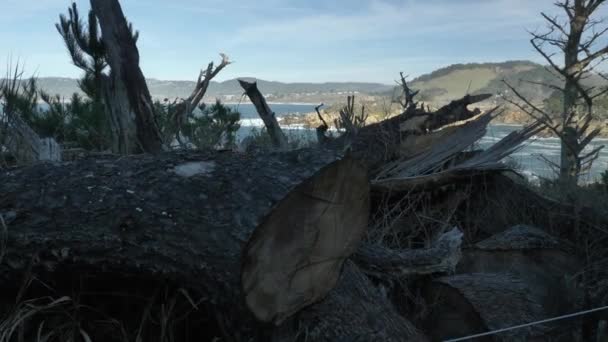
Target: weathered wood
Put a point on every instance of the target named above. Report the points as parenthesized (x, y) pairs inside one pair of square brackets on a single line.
[(548, 269), (438, 164), (24, 144), (185, 107), (126, 92), (384, 141), (295, 255), (278, 138), (440, 258), (421, 122), (467, 304)]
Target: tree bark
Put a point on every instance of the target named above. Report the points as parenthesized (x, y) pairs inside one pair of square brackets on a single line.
[(278, 138), (132, 117)]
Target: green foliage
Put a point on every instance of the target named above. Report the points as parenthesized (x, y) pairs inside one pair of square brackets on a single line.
[(18, 96), (217, 125), (83, 122), (79, 120), (212, 126), (554, 104), (86, 48), (258, 139)]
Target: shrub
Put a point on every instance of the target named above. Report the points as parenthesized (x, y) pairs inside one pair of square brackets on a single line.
[(208, 127)]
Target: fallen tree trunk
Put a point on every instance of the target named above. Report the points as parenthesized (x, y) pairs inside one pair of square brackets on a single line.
[(189, 218)]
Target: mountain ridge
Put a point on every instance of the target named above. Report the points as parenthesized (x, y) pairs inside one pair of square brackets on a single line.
[(441, 85)]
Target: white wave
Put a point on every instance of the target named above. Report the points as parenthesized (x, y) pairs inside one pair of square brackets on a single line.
[(252, 123)]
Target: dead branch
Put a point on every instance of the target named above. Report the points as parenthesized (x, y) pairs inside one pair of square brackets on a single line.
[(322, 137), (279, 140), (441, 258), (349, 120), (408, 103), (186, 106)]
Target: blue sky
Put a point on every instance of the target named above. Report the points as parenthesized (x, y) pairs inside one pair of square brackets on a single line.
[(290, 40)]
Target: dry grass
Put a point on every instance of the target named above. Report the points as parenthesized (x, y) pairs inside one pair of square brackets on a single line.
[(167, 314)]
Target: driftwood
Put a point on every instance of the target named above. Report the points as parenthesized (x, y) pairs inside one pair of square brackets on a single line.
[(278, 138)]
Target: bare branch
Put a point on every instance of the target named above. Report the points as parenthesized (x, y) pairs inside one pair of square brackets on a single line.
[(554, 166), (592, 135), (349, 120), (567, 8), (320, 116), (322, 137), (555, 24), (408, 103), (595, 151), (547, 117), (551, 86), (187, 106)]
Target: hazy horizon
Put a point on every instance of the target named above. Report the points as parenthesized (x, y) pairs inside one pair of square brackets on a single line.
[(219, 80), (291, 41)]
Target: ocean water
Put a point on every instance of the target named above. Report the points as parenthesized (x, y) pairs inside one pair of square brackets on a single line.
[(248, 111), (530, 159)]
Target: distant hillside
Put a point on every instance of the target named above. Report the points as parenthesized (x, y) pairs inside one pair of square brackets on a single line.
[(457, 80), (437, 87), (226, 89)]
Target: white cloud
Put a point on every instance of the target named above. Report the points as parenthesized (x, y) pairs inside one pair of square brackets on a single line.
[(489, 19)]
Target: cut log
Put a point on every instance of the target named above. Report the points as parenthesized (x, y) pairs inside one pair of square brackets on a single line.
[(539, 259), (278, 138), (474, 303), (295, 255), (186, 217)]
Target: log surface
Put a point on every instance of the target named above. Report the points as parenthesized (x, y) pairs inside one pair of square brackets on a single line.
[(182, 216)]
